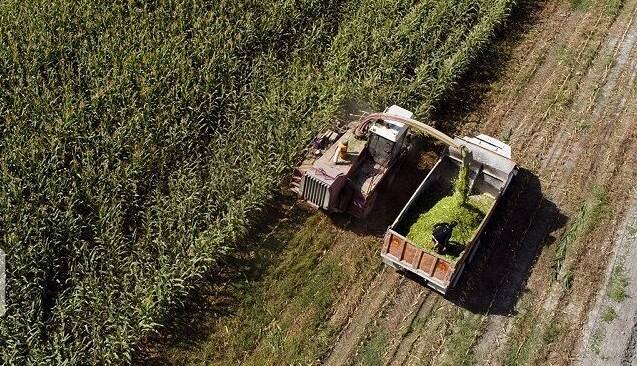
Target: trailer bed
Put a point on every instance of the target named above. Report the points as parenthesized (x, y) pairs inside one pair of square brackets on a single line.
[(491, 173)]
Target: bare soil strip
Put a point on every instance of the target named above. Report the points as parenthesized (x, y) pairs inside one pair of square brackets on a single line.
[(610, 334), (568, 159)]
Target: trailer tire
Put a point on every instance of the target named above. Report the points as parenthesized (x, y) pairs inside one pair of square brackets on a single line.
[(390, 264), (473, 251)]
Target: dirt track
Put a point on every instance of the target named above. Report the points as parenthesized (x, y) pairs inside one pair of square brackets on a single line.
[(565, 101)]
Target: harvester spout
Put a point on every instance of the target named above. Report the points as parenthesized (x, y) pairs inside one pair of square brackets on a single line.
[(363, 126), (412, 123)]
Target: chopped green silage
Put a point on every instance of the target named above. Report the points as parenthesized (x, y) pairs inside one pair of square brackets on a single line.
[(468, 216), (465, 209), (461, 184)]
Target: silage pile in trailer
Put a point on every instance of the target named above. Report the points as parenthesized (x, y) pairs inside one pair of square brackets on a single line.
[(468, 216), (461, 207), (138, 141)]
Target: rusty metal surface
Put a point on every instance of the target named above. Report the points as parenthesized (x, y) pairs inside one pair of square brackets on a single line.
[(362, 174), (325, 165), (401, 254)]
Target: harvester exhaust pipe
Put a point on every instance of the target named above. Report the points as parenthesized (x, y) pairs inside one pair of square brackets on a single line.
[(341, 152)]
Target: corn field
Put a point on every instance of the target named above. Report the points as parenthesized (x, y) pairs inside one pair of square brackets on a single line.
[(140, 140)]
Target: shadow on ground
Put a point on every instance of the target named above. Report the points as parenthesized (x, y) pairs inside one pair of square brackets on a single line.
[(521, 227)]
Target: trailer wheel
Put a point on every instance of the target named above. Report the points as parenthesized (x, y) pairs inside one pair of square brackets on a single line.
[(391, 179), (473, 251), (390, 264)]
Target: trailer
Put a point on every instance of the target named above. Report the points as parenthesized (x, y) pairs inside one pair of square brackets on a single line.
[(490, 174)]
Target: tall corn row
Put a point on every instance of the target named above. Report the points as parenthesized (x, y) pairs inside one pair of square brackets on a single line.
[(138, 141)]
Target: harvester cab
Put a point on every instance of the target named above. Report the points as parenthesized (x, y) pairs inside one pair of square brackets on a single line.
[(387, 138)]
